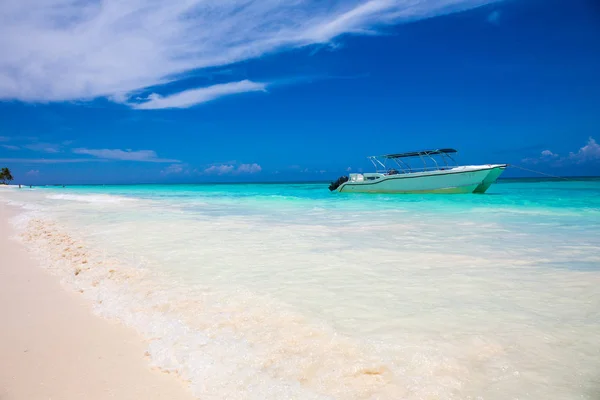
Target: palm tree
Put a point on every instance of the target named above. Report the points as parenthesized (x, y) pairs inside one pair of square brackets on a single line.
[(5, 175)]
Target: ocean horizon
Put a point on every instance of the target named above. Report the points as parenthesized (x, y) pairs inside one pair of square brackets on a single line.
[(282, 182)]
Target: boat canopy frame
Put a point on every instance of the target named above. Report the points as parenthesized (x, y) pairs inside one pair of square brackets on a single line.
[(380, 162)]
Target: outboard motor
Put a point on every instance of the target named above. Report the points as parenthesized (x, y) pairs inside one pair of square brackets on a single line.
[(336, 184)]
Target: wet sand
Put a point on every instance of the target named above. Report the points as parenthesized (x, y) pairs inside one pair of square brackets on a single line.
[(53, 347)]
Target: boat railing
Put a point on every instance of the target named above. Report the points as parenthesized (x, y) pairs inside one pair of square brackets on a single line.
[(381, 163), (412, 170)]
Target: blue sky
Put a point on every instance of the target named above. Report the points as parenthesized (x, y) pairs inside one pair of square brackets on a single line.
[(170, 91)]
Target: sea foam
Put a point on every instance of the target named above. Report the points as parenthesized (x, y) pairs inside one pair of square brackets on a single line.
[(90, 198)]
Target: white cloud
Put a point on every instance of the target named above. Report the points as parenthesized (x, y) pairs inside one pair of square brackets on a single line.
[(249, 168), (545, 156), (219, 169), (10, 147), (47, 160), (44, 147), (124, 155), (33, 172), (548, 153), (191, 97), (172, 169), (62, 50), (589, 152), (228, 169), (315, 171)]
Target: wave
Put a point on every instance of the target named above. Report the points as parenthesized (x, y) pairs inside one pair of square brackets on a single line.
[(232, 343), (91, 198)]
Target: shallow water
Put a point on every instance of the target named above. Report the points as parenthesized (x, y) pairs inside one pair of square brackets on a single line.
[(289, 291)]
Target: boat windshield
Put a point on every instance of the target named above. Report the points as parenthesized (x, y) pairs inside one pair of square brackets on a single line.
[(400, 163)]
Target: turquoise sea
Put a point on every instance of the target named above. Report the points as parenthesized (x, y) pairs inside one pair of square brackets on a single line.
[(273, 291)]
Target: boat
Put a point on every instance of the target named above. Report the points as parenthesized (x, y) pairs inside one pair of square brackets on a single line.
[(440, 174)]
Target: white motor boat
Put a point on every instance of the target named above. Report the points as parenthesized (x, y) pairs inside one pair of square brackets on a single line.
[(440, 174)]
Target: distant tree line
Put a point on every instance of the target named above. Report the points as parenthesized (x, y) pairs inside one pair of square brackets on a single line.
[(5, 176)]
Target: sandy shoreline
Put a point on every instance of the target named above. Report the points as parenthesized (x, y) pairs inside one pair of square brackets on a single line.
[(53, 347)]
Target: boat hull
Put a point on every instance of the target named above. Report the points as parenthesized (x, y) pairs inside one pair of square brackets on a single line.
[(455, 181), (490, 179)]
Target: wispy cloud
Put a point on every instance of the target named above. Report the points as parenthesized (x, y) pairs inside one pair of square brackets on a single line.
[(124, 155), (219, 169), (249, 169), (305, 170), (173, 169), (588, 153), (44, 147), (47, 160), (4, 139), (33, 172), (229, 169), (96, 154), (312, 171), (192, 97), (62, 50)]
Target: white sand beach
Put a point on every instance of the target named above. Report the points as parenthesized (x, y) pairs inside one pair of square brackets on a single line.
[(53, 347)]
